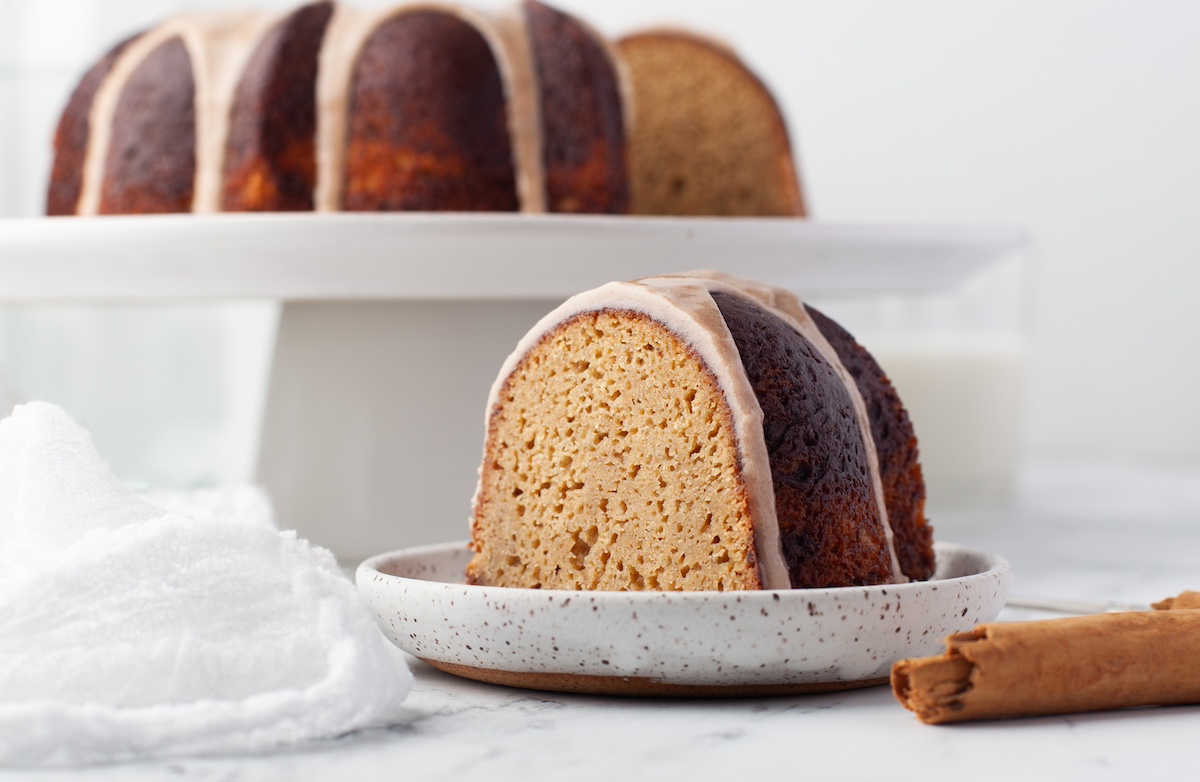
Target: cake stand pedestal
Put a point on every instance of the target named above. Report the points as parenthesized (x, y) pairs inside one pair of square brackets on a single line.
[(373, 426)]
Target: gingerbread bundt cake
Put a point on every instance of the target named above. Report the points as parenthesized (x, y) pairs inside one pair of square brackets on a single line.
[(695, 433), (327, 107)]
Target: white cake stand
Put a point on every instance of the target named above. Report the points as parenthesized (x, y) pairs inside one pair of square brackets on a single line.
[(393, 326)]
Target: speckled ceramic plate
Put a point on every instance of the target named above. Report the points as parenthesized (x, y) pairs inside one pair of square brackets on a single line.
[(674, 643)]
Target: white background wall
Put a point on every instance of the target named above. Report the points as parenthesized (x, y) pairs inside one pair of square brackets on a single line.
[(1077, 120)]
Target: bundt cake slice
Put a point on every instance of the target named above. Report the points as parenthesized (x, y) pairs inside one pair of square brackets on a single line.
[(681, 433), (708, 137)]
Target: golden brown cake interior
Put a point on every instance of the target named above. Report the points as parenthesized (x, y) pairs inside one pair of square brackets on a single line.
[(707, 138), (628, 481)]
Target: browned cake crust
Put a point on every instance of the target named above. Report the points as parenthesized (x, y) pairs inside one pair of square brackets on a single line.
[(270, 155), (708, 137), (428, 126), (150, 165), (583, 132), (418, 117), (829, 520), (71, 136), (896, 443)]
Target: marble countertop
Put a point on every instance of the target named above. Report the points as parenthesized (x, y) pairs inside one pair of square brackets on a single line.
[(1088, 533)]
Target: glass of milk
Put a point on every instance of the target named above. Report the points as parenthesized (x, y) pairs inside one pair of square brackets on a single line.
[(958, 358)]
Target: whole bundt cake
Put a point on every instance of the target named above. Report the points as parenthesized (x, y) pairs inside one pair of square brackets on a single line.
[(420, 107), (695, 433)]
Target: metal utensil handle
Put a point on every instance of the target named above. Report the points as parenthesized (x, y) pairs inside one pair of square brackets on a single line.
[(1073, 606)]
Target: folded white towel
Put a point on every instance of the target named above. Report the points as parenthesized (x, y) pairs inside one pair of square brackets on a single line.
[(127, 630)]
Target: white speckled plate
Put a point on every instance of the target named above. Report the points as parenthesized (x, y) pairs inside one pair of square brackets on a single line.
[(674, 643)]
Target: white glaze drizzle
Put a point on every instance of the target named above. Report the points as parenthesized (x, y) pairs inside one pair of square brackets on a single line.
[(518, 70), (347, 31), (219, 57)]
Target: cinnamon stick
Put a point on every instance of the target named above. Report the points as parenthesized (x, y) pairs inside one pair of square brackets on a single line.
[(1059, 666), (1183, 600)]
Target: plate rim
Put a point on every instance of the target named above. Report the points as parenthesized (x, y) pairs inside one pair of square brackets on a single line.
[(370, 566)]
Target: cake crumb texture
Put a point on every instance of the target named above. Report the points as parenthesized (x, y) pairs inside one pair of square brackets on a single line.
[(612, 464)]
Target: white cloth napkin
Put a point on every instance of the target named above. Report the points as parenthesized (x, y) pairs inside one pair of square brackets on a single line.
[(128, 630)]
